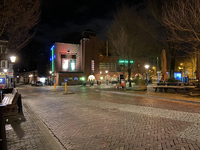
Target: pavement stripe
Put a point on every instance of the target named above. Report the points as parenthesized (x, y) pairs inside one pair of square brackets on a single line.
[(191, 133), (179, 100)]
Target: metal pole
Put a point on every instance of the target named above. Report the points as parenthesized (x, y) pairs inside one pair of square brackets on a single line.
[(147, 78), (3, 145), (192, 69), (157, 69), (184, 73)]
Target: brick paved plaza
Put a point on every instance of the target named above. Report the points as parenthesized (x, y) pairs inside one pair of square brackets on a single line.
[(94, 118)]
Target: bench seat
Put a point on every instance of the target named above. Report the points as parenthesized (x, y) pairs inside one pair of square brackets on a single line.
[(176, 88)]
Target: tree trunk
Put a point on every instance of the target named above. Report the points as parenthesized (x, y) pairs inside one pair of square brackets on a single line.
[(172, 67), (124, 78), (129, 73)]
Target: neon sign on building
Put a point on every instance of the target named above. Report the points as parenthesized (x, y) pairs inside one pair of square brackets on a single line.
[(92, 65), (53, 56)]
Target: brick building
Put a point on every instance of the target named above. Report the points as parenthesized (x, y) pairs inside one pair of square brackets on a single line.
[(83, 61), (75, 61)]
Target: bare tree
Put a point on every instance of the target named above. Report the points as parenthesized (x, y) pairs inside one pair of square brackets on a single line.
[(182, 17), (127, 37), (18, 20), (165, 34)]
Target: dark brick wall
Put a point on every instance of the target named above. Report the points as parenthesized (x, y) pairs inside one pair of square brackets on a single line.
[(90, 52)]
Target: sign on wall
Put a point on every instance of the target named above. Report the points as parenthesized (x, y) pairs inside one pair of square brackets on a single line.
[(2, 81), (92, 65)]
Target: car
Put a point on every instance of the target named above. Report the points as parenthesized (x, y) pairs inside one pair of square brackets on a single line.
[(38, 83)]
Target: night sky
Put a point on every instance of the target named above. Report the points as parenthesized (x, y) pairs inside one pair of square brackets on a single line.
[(61, 17), (66, 18)]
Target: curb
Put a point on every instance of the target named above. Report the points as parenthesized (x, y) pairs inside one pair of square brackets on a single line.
[(46, 132)]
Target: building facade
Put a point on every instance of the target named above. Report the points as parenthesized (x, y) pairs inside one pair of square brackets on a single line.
[(75, 61)]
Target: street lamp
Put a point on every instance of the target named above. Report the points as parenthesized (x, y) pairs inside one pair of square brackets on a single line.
[(12, 59), (146, 66)]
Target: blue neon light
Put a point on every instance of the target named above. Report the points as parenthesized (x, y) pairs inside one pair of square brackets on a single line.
[(52, 47)]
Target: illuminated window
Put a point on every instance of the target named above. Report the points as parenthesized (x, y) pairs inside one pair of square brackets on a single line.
[(107, 65), (4, 64), (68, 62), (3, 49), (73, 64), (65, 64)]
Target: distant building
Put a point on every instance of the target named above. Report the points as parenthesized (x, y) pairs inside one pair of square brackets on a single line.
[(83, 62), (6, 68)]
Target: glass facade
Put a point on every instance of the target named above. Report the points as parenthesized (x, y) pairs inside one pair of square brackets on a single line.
[(107, 65)]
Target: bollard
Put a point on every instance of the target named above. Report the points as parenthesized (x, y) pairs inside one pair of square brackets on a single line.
[(3, 143), (65, 87)]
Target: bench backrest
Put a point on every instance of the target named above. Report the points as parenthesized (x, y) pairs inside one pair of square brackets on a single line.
[(11, 98), (15, 96)]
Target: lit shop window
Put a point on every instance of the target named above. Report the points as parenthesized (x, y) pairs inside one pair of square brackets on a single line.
[(65, 64), (73, 65)]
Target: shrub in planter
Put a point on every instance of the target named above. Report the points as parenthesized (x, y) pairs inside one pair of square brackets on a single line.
[(136, 80)]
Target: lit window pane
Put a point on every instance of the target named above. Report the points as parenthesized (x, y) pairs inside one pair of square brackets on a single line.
[(64, 64)]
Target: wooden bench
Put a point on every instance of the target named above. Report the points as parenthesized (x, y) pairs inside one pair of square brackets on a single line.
[(11, 102), (176, 88), (172, 83)]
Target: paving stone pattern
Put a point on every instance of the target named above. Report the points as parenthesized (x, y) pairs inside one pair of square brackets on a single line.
[(23, 134), (101, 120)]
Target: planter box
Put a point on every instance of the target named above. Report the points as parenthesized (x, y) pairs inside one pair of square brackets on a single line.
[(140, 87)]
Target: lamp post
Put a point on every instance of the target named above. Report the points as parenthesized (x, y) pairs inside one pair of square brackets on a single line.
[(12, 59), (146, 66)]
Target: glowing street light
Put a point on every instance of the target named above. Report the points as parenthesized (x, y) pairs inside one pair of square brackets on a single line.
[(12, 59), (146, 66)]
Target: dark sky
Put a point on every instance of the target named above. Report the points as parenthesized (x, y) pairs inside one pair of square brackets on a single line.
[(63, 16)]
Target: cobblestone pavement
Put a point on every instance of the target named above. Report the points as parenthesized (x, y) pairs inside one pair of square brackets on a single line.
[(94, 119), (23, 134)]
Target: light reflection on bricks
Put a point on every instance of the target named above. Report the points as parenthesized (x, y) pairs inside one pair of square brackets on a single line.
[(94, 120), (23, 134)]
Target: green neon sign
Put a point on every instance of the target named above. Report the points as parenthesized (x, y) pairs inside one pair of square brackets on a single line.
[(82, 78), (125, 61), (52, 58)]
